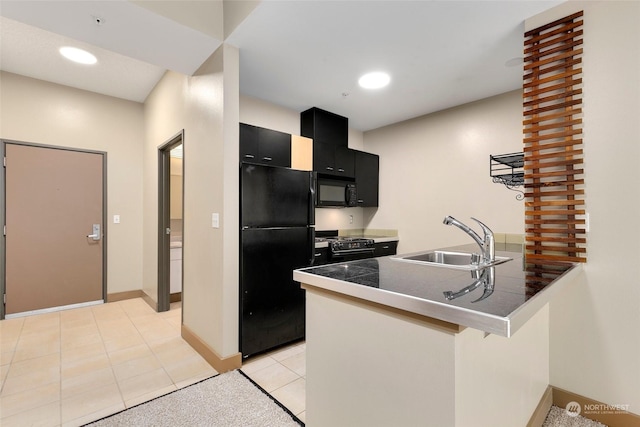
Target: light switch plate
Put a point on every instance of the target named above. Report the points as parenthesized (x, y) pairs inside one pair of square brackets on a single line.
[(116, 219), (587, 222), (215, 220)]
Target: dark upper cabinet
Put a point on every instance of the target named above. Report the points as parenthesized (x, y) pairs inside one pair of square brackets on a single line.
[(330, 134), (334, 161), (324, 158), (345, 162), (274, 147), (324, 127), (265, 146), (367, 173), (248, 142)]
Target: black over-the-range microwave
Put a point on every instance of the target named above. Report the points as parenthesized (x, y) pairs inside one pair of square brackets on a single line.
[(335, 193)]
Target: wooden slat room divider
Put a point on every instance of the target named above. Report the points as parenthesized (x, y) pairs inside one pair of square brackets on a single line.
[(553, 156)]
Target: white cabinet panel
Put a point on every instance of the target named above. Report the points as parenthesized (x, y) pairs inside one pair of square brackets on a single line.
[(175, 266)]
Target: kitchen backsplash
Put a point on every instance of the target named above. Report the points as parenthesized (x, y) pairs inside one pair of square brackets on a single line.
[(339, 218), (369, 232)]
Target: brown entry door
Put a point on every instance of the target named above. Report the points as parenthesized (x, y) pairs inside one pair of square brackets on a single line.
[(53, 250)]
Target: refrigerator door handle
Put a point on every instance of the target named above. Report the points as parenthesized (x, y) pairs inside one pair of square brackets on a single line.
[(312, 245), (312, 198)]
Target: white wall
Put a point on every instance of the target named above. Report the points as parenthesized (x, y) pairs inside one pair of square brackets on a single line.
[(45, 113), (499, 380), (595, 338), (438, 165), (206, 107), (261, 113), (257, 112)]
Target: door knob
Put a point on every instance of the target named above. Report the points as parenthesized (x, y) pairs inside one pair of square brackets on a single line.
[(95, 232)]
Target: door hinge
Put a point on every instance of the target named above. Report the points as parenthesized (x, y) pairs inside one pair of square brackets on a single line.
[(4, 299), (4, 161), (4, 230)]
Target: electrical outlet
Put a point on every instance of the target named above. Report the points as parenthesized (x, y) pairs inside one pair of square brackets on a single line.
[(215, 220), (350, 219)]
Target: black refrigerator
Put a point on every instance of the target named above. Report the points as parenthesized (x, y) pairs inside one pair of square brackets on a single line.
[(276, 237)]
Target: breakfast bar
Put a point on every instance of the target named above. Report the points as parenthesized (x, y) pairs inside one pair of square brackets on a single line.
[(391, 341)]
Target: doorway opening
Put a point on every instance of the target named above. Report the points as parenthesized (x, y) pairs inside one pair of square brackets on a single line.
[(170, 221)]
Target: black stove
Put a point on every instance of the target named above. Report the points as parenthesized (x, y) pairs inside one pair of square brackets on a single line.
[(349, 243), (347, 248)]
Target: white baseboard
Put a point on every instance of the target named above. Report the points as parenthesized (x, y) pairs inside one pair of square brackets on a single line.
[(53, 309)]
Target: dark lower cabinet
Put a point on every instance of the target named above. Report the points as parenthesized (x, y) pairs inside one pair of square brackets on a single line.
[(367, 173), (385, 248), (264, 146), (321, 256)]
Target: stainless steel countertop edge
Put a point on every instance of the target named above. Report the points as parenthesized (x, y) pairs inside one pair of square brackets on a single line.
[(459, 315), (526, 311), (502, 326)]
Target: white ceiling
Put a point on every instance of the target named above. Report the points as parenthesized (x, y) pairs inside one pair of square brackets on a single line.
[(296, 54)]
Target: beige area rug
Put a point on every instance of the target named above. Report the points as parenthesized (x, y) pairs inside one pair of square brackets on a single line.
[(227, 400), (558, 417)]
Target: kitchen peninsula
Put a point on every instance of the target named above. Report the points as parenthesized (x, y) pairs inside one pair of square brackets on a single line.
[(391, 342)]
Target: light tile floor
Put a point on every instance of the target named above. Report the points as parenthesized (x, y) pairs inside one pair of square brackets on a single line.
[(76, 366), (282, 373)]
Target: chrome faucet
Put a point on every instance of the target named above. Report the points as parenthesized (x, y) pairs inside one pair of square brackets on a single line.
[(487, 243)]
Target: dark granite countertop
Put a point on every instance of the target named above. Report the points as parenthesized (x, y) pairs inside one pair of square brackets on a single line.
[(505, 296)]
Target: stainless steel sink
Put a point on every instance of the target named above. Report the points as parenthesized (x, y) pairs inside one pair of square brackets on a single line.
[(447, 259)]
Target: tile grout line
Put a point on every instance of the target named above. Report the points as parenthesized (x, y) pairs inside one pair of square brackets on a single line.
[(102, 341), (157, 329), (279, 362), (12, 363), (113, 372), (13, 355), (146, 343)]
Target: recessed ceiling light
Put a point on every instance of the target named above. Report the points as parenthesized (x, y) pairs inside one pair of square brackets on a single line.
[(78, 55), (375, 80)]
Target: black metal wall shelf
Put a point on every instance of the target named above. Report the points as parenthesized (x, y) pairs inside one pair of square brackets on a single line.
[(508, 169)]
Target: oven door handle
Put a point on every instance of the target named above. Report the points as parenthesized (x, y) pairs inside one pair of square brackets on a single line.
[(352, 251)]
